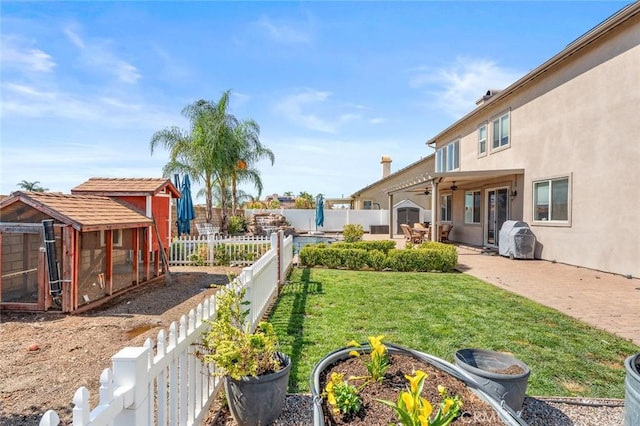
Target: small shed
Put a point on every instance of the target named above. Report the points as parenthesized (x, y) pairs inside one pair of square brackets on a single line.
[(101, 244), (152, 196)]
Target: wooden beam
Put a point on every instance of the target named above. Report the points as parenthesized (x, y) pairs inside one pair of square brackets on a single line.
[(25, 260), (17, 306), (108, 243), (74, 272), (146, 253), (0, 268), (134, 258), (42, 282), (21, 228), (66, 276)]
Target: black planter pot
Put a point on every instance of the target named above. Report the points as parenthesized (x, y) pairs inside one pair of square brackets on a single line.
[(258, 401), (483, 365), (506, 414)]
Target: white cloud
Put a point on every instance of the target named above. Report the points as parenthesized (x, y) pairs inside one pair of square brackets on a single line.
[(457, 87), (97, 54), (74, 38), (282, 33), (22, 100), (17, 54), (316, 110)]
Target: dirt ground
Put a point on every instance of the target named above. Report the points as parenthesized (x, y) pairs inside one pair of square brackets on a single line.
[(45, 357)]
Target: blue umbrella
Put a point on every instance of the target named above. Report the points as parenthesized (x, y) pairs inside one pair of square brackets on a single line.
[(319, 211), (186, 212)]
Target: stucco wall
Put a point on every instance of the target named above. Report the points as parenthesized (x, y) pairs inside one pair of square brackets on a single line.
[(580, 120)]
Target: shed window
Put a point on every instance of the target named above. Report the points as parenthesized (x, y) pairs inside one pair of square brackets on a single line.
[(117, 237)]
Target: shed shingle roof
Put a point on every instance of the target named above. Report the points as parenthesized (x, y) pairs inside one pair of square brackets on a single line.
[(83, 212), (126, 186)]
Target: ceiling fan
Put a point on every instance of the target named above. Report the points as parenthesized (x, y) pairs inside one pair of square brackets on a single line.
[(454, 186)]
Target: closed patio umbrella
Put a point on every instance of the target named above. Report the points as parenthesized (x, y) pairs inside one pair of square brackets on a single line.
[(319, 211), (176, 182), (186, 211)]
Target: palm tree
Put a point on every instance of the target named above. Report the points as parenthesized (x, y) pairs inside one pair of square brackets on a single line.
[(206, 152), (32, 186), (249, 152)]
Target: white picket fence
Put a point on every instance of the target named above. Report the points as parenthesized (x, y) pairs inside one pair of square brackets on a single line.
[(212, 249), (172, 386)]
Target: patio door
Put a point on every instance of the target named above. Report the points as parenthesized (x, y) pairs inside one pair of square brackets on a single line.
[(496, 213)]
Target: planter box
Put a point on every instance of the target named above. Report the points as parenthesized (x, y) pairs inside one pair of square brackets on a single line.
[(506, 414)]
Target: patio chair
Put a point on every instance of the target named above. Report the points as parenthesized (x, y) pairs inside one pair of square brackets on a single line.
[(410, 235), (423, 230), (444, 232)]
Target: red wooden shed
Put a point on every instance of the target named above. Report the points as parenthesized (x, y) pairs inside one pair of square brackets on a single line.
[(152, 196), (99, 245)]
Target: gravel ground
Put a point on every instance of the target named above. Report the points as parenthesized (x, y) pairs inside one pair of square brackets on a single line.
[(298, 411)]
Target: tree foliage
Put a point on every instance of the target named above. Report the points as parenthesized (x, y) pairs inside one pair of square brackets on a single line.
[(32, 186), (219, 151)]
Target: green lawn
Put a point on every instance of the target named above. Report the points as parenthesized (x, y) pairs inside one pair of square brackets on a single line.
[(321, 310)]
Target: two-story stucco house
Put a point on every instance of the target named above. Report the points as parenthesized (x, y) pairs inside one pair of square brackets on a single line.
[(558, 149)]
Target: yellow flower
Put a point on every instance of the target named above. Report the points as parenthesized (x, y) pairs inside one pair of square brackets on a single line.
[(354, 353), (442, 391), (415, 380), (329, 387), (407, 399), (426, 409), (376, 341), (353, 343), (337, 377), (447, 405)]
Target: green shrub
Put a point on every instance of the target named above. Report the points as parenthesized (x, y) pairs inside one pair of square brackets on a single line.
[(237, 225), (220, 256), (434, 257), (381, 245), (200, 255), (352, 232), (311, 255), (354, 259), (376, 260), (422, 260)]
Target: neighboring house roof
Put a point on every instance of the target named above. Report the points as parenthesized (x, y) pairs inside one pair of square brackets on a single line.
[(392, 175), (82, 212), (572, 48), (126, 187)]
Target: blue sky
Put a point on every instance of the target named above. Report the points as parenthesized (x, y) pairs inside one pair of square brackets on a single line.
[(334, 86)]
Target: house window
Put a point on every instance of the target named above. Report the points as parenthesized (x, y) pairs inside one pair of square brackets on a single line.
[(448, 157), (551, 200), (445, 208), (366, 205), (117, 237), (500, 132), (482, 140), (472, 207)]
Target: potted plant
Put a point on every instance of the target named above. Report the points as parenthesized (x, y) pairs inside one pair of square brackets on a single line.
[(255, 374)]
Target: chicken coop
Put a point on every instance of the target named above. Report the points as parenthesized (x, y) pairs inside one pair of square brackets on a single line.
[(73, 252)]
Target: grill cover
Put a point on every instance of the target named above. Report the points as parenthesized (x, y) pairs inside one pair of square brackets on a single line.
[(516, 240)]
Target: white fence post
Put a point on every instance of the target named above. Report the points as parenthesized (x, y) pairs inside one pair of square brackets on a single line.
[(50, 418), (173, 387), (130, 370)]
